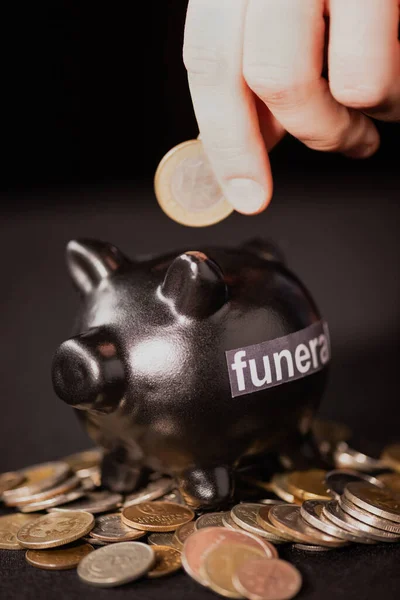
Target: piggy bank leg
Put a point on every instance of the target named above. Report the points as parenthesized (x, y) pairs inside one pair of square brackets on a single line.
[(118, 474), (206, 488)]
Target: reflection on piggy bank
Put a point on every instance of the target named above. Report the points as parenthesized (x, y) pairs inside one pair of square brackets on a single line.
[(191, 363)]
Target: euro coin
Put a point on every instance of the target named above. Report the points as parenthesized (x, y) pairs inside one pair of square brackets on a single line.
[(221, 563), (263, 579), (373, 533), (186, 187), (202, 541)]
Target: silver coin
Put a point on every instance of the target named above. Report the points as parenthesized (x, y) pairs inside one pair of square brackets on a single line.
[(94, 502), (163, 539), (366, 517), (271, 502), (110, 528), (213, 519), (311, 511), (65, 486), (331, 511), (378, 535), (381, 503), (59, 500), (153, 491), (245, 515), (288, 518), (310, 547), (38, 478), (347, 458), (337, 480), (116, 564)]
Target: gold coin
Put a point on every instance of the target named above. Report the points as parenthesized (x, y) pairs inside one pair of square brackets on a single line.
[(391, 481), (183, 532), (168, 560), (391, 457), (37, 479), (10, 480), (61, 488), (280, 488), (186, 187), (308, 485), (55, 529), (222, 562), (58, 559), (156, 516), (9, 527)]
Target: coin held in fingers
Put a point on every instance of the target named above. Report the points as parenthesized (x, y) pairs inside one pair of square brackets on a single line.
[(186, 187)]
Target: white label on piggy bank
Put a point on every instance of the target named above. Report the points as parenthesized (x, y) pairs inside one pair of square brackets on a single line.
[(264, 365)]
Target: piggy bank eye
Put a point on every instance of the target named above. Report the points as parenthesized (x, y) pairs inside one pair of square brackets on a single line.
[(88, 373)]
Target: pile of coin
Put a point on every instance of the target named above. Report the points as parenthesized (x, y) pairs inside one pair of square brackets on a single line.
[(113, 540)]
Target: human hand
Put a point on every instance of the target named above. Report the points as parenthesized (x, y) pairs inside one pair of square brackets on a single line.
[(255, 72)]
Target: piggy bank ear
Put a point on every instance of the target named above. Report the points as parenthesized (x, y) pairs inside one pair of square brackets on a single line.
[(90, 261), (194, 285), (88, 373), (265, 249)]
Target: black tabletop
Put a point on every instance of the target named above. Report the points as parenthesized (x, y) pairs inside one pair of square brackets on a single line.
[(339, 233)]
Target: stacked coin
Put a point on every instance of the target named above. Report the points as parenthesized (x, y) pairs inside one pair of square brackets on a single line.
[(152, 532)]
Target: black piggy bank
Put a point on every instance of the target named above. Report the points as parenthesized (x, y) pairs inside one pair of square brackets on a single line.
[(191, 363)]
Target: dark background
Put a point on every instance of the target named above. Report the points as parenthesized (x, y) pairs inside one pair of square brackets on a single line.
[(93, 98)]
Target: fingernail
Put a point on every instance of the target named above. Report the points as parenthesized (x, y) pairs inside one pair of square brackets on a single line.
[(245, 195), (369, 146)]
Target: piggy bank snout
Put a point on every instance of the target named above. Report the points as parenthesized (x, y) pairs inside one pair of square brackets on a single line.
[(88, 374)]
